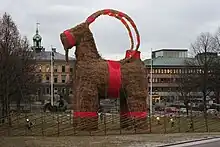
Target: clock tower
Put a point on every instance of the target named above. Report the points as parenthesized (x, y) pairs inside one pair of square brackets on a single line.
[(37, 47)]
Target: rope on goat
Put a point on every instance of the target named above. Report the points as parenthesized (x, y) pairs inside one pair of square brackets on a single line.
[(119, 15)]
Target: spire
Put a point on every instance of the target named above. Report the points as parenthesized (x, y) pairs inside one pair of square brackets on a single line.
[(37, 39), (37, 27)]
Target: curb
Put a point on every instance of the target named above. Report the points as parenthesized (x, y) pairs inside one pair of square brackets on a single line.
[(190, 141)]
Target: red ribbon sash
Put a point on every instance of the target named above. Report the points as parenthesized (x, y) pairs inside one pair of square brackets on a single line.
[(136, 54), (114, 81), (134, 114)]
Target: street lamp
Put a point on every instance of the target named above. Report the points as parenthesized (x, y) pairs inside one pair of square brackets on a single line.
[(158, 120), (151, 83)]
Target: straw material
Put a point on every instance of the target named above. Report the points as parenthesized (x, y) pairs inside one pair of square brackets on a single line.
[(91, 80)]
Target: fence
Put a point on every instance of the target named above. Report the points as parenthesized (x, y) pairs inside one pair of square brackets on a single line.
[(61, 124)]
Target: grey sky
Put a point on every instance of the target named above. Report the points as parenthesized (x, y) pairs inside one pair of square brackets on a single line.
[(162, 23)]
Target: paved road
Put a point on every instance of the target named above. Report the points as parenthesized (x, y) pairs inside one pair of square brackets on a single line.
[(206, 143), (211, 144)]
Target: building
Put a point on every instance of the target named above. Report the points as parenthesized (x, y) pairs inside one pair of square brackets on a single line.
[(170, 53), (62, 72), (166, 65)]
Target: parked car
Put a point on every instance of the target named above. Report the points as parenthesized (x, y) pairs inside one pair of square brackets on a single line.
[(183, 110), (212, 111), (59, 106)]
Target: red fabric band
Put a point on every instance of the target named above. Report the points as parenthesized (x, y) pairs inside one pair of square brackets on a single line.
[(133, 24), (111, 14), (71, 40), (134, 114), (90, 19), (135, 54), (85, 114), (107, 11), (120, 14), (114, 81), (124, 22), (138, 40)]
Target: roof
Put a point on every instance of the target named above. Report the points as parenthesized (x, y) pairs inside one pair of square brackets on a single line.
[(165, 61), (46, 55), (170, 49)]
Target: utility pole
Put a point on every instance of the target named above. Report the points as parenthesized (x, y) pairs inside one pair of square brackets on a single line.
[(151, 83), (51, 79)]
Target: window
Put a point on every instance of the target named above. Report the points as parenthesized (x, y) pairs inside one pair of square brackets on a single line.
[(40, 68), (158, 70), (71, 91), (71, 69), (48, 69), (47, 78), (55, 91), (176, 71), (63, 78), (63, 69), (59, 90), (55, 79), (48, 90), (63, 90), (165, 71), (55, 69)]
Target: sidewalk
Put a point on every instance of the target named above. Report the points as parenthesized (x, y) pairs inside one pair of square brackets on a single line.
[(145, 140)]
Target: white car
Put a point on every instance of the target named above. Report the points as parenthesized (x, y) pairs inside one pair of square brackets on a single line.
[(212, 111), (183, 110)]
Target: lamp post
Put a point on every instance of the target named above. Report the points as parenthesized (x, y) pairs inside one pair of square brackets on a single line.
[(151, 83), (51, 80)]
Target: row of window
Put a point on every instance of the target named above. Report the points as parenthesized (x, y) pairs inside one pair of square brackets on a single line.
[(57, 90), (55, 69), (56, 79), (163, 80), (175, 71), (167, 89), (164, 89)]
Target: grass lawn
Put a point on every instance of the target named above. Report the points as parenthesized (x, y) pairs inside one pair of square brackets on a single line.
[(48, 124)]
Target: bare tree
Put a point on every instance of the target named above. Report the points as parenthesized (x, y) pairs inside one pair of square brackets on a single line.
[(216, 69), (17, 65), (186, 85), (201, 66)]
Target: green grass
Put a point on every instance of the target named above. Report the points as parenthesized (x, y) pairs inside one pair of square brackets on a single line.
[(48, 124)]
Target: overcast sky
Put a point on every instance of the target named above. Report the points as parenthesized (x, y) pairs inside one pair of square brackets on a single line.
[(161, 23)]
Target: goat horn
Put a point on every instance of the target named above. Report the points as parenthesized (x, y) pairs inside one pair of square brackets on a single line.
[(128, 28), (118, 15)]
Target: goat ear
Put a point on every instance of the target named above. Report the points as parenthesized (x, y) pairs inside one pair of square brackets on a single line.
[(63, 40)]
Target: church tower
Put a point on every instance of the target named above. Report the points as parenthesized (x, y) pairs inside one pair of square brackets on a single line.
[(37, 47)]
